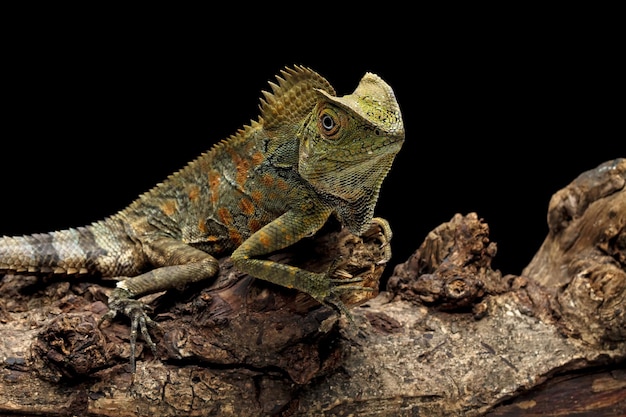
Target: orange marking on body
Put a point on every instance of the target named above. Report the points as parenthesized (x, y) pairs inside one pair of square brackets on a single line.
[(246, 206), (257, 158), (254, 225), (256, 195), (194, 192), (214, 185), (225, 216), (267, 180), (169, 207), (212, 238), (243, 169), (282, 184), (235, 236), (265, 239), (202, 226), (241, 165)]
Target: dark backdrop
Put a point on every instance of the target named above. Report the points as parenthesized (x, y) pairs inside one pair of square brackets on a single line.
[(495, 122)]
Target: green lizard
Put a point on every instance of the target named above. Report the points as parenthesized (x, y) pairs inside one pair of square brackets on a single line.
[(310, 155)]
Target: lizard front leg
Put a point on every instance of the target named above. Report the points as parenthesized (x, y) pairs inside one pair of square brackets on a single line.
[(179, 264), (281, 233)]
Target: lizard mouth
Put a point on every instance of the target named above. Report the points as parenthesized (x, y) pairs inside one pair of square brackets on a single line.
[(391, 145)]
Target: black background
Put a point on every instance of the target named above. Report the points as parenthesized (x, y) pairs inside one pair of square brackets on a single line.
[(498, 116)]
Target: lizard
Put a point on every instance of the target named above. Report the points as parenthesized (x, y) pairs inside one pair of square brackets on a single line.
[(310, 155)]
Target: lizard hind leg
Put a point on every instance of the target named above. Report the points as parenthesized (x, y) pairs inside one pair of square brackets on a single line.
[(180, 264)]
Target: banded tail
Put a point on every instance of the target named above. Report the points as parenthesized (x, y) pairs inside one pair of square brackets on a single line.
[(93, 249)]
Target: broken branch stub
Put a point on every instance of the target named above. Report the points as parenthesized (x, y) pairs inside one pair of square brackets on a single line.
[(582, 261)]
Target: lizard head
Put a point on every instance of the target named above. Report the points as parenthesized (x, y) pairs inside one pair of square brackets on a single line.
[(347, 147)]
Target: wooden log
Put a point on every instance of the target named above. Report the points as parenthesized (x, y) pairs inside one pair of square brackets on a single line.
[(449, 336), (238, 338)]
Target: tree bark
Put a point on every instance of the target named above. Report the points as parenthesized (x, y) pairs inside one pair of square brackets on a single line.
[(449, 336)]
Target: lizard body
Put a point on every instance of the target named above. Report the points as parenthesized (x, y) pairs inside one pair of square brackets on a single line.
[(310, 155)]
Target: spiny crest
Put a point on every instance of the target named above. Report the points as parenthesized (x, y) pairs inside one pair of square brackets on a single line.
[(293, 96)]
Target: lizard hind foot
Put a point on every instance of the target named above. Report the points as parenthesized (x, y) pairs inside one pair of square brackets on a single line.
[(120, 301)]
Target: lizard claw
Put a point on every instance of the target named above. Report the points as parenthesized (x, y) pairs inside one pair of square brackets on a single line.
[(121, 301), (381, 230), (341, 285), (340, 308)]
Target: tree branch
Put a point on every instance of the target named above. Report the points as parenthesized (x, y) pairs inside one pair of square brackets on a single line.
[(448, 337)]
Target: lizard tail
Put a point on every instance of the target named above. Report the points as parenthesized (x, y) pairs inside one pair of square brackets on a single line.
[(70, 251)]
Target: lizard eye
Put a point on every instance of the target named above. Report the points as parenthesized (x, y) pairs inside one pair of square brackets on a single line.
[(328, 122)]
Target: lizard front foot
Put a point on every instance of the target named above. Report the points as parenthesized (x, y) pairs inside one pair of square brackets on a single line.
[(121, 301), (339, 286), (333, 300)]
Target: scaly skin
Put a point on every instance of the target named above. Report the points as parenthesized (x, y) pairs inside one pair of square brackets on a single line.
[(309, 156)]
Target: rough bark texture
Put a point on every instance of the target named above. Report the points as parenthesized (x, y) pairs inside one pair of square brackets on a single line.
[(449, 337)]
